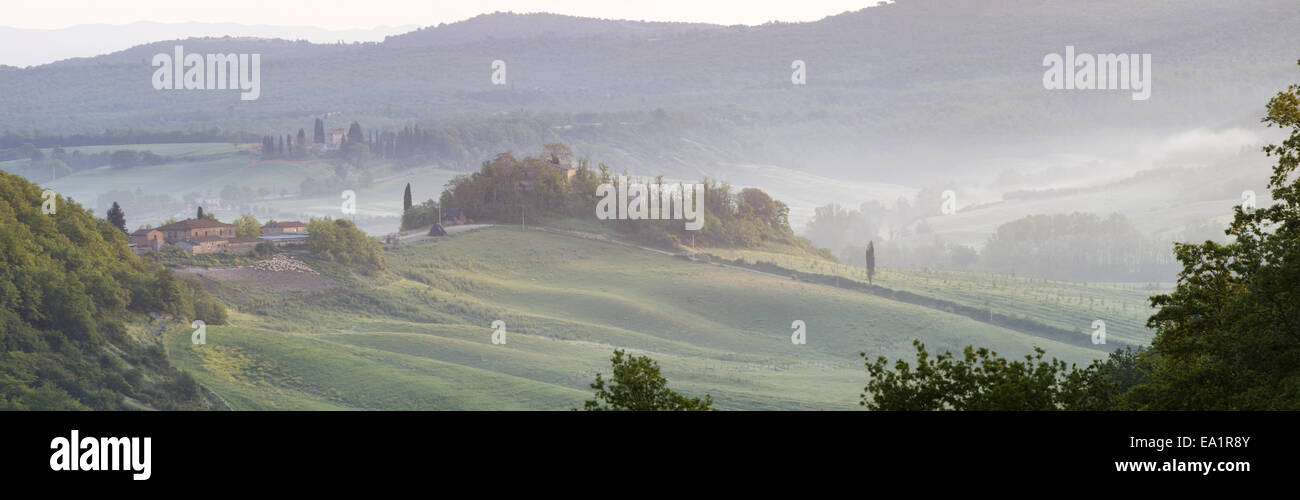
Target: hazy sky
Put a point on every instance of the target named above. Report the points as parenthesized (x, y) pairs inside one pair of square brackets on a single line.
[(351, 14)]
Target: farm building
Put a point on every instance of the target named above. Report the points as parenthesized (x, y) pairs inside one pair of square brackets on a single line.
[(204, 236), (146, 240), (335, 137), (200, 245), (287, 227), (244, 244), (192, 229)]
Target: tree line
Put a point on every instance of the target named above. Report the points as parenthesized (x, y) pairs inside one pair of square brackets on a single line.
[(1076, 246)]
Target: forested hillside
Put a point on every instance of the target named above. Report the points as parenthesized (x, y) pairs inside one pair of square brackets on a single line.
[(73, 299)]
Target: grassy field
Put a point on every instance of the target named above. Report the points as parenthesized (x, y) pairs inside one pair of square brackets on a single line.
[(1069, 305), (420, 337)]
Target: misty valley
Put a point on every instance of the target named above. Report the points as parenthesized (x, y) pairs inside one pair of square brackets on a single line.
[(842, 214)]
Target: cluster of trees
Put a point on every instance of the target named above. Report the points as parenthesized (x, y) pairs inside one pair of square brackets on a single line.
[(451, 145), (980, 380), (841, 228), (127, 158), (349, 171), (847, 231), (413, 144), (1227, 337), (464, 142), (59, 162), (75, 160), (339, 240), (420, 216), (247, 226), (1076, 246), (14, 143), (289, 146), (284, 147), (743, 219), (507, 188), (636, 385), (68, 284)]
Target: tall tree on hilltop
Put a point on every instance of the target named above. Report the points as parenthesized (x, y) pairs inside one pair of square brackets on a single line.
[(199, 214), (406, 198), (302, 139), (116, 217), (318, 136)]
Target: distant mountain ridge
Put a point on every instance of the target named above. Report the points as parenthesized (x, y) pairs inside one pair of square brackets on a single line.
[(31, 47), (509, 25), (917, 83)]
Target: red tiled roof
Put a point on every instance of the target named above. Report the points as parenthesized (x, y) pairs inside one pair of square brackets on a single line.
[(188, 224), (286, 224)]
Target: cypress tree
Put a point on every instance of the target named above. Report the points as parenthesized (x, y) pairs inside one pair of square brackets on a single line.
[(117, 217), (871, 261), (355, 134)]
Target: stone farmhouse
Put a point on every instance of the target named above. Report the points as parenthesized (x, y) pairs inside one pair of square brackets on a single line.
[(206, 236)]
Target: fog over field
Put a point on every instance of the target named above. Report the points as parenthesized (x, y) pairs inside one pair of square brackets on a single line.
[(358, 218), (888, 112)]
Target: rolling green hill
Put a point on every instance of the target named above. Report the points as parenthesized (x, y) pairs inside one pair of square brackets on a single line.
[(420, 337), (1060, 304)]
